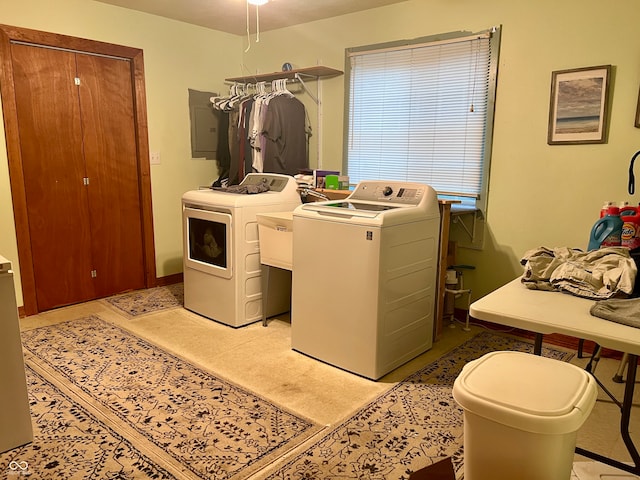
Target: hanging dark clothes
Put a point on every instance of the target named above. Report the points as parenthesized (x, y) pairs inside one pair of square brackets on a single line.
[(234, 147), (247, 157), (286, 137), (223, 155), (265, 133)]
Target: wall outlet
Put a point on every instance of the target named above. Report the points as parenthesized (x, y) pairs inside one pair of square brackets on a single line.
[(154, 158)]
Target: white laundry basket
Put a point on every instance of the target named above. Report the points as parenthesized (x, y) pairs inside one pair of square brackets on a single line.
[(522, 413)]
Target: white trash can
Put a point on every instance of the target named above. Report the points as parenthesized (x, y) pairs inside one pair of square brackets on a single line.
[(522, 413)]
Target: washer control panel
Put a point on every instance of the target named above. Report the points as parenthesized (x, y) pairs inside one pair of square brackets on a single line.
[(405, 193)]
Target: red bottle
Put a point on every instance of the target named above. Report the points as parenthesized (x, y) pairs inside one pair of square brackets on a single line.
[(630, 227)]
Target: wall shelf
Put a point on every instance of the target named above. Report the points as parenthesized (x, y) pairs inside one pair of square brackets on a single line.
[(317, 71)]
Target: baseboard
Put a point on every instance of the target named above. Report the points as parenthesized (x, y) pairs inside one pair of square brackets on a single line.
[(160, 282), (169, 280)]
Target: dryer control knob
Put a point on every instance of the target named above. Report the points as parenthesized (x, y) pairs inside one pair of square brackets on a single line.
[(387, 191)]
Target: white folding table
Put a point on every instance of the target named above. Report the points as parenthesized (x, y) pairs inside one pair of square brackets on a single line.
[(544, 312)]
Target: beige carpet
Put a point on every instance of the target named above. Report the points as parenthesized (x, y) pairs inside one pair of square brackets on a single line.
[(107, 404)]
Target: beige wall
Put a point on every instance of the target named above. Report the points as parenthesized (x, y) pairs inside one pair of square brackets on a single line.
[(177, 57), (539, 194)]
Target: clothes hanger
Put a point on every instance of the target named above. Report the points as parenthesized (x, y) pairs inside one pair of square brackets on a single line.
[(220, 103), (241, 95), (285, 91)]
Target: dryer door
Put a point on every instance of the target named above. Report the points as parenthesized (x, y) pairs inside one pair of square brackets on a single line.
[(207, 241)]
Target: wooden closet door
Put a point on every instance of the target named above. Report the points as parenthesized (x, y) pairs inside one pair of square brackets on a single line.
[(48, 116), (107, 106)]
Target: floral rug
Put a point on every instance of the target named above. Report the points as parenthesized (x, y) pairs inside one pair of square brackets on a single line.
[(108, 405), (413, 425), (149, 300)]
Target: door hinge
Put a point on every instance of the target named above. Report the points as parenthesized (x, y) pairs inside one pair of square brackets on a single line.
[(85, 180), (76, 80), (94, 273)]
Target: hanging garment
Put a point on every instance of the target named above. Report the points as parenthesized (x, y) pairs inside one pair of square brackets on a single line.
[(223, 155), (247, 152), (254, 133), (234, 146), (285, 134)]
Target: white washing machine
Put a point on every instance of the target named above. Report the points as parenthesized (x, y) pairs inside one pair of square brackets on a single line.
[(222, 271), (364, 277)]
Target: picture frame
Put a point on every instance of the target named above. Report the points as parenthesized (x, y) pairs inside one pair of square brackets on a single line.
[(579, 106), (637, 124)]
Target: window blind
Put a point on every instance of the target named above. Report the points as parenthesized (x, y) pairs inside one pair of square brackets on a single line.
[(420, 113)]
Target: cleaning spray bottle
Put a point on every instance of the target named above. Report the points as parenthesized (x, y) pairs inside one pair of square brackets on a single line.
[(607, 231)]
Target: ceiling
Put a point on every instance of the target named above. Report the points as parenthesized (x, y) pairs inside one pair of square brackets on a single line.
[(231, 15)]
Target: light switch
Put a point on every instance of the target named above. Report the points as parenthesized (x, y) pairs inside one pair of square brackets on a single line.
[(155, 158)]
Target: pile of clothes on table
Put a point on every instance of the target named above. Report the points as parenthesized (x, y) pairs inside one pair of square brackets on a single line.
[(607, 275)]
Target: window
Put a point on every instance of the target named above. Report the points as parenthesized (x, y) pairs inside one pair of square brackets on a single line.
[(423, 111)]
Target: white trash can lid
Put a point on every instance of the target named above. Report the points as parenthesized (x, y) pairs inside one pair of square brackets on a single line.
[(527, 392)]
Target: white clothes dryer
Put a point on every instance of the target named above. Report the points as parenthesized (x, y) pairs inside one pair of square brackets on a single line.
[(222, 270), (364, 277)]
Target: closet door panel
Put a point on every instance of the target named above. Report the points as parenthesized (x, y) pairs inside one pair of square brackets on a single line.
[(53, 165), (106, 100)]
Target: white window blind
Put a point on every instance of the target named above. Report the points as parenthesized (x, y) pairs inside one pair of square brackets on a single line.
[(420, 113)]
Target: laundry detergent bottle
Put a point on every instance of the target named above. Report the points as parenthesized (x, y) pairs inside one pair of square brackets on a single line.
[(605, 209), (630, 216), (607, 231)]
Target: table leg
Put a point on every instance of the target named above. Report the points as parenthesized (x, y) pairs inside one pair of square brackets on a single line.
[(537, 345), (626, 409), (625, 417)]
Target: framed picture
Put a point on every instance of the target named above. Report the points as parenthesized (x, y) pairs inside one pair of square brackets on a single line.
[(579, 107), (638, 112)]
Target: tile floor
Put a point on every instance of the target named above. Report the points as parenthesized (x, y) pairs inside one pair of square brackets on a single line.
[(258, 358)]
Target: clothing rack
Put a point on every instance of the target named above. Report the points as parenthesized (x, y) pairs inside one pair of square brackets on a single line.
[(256, 86), (316, 73), (239, 91), (297, 75)]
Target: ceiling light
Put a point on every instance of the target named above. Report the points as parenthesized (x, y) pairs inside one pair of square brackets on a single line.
[(257, 2)]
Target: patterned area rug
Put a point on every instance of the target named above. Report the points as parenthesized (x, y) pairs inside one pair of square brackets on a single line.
[(150, 300), (107, 404), (72, 442), (416, 423)]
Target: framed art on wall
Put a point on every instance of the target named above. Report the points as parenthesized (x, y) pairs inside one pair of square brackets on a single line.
[(638, 112), (579, 106)]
